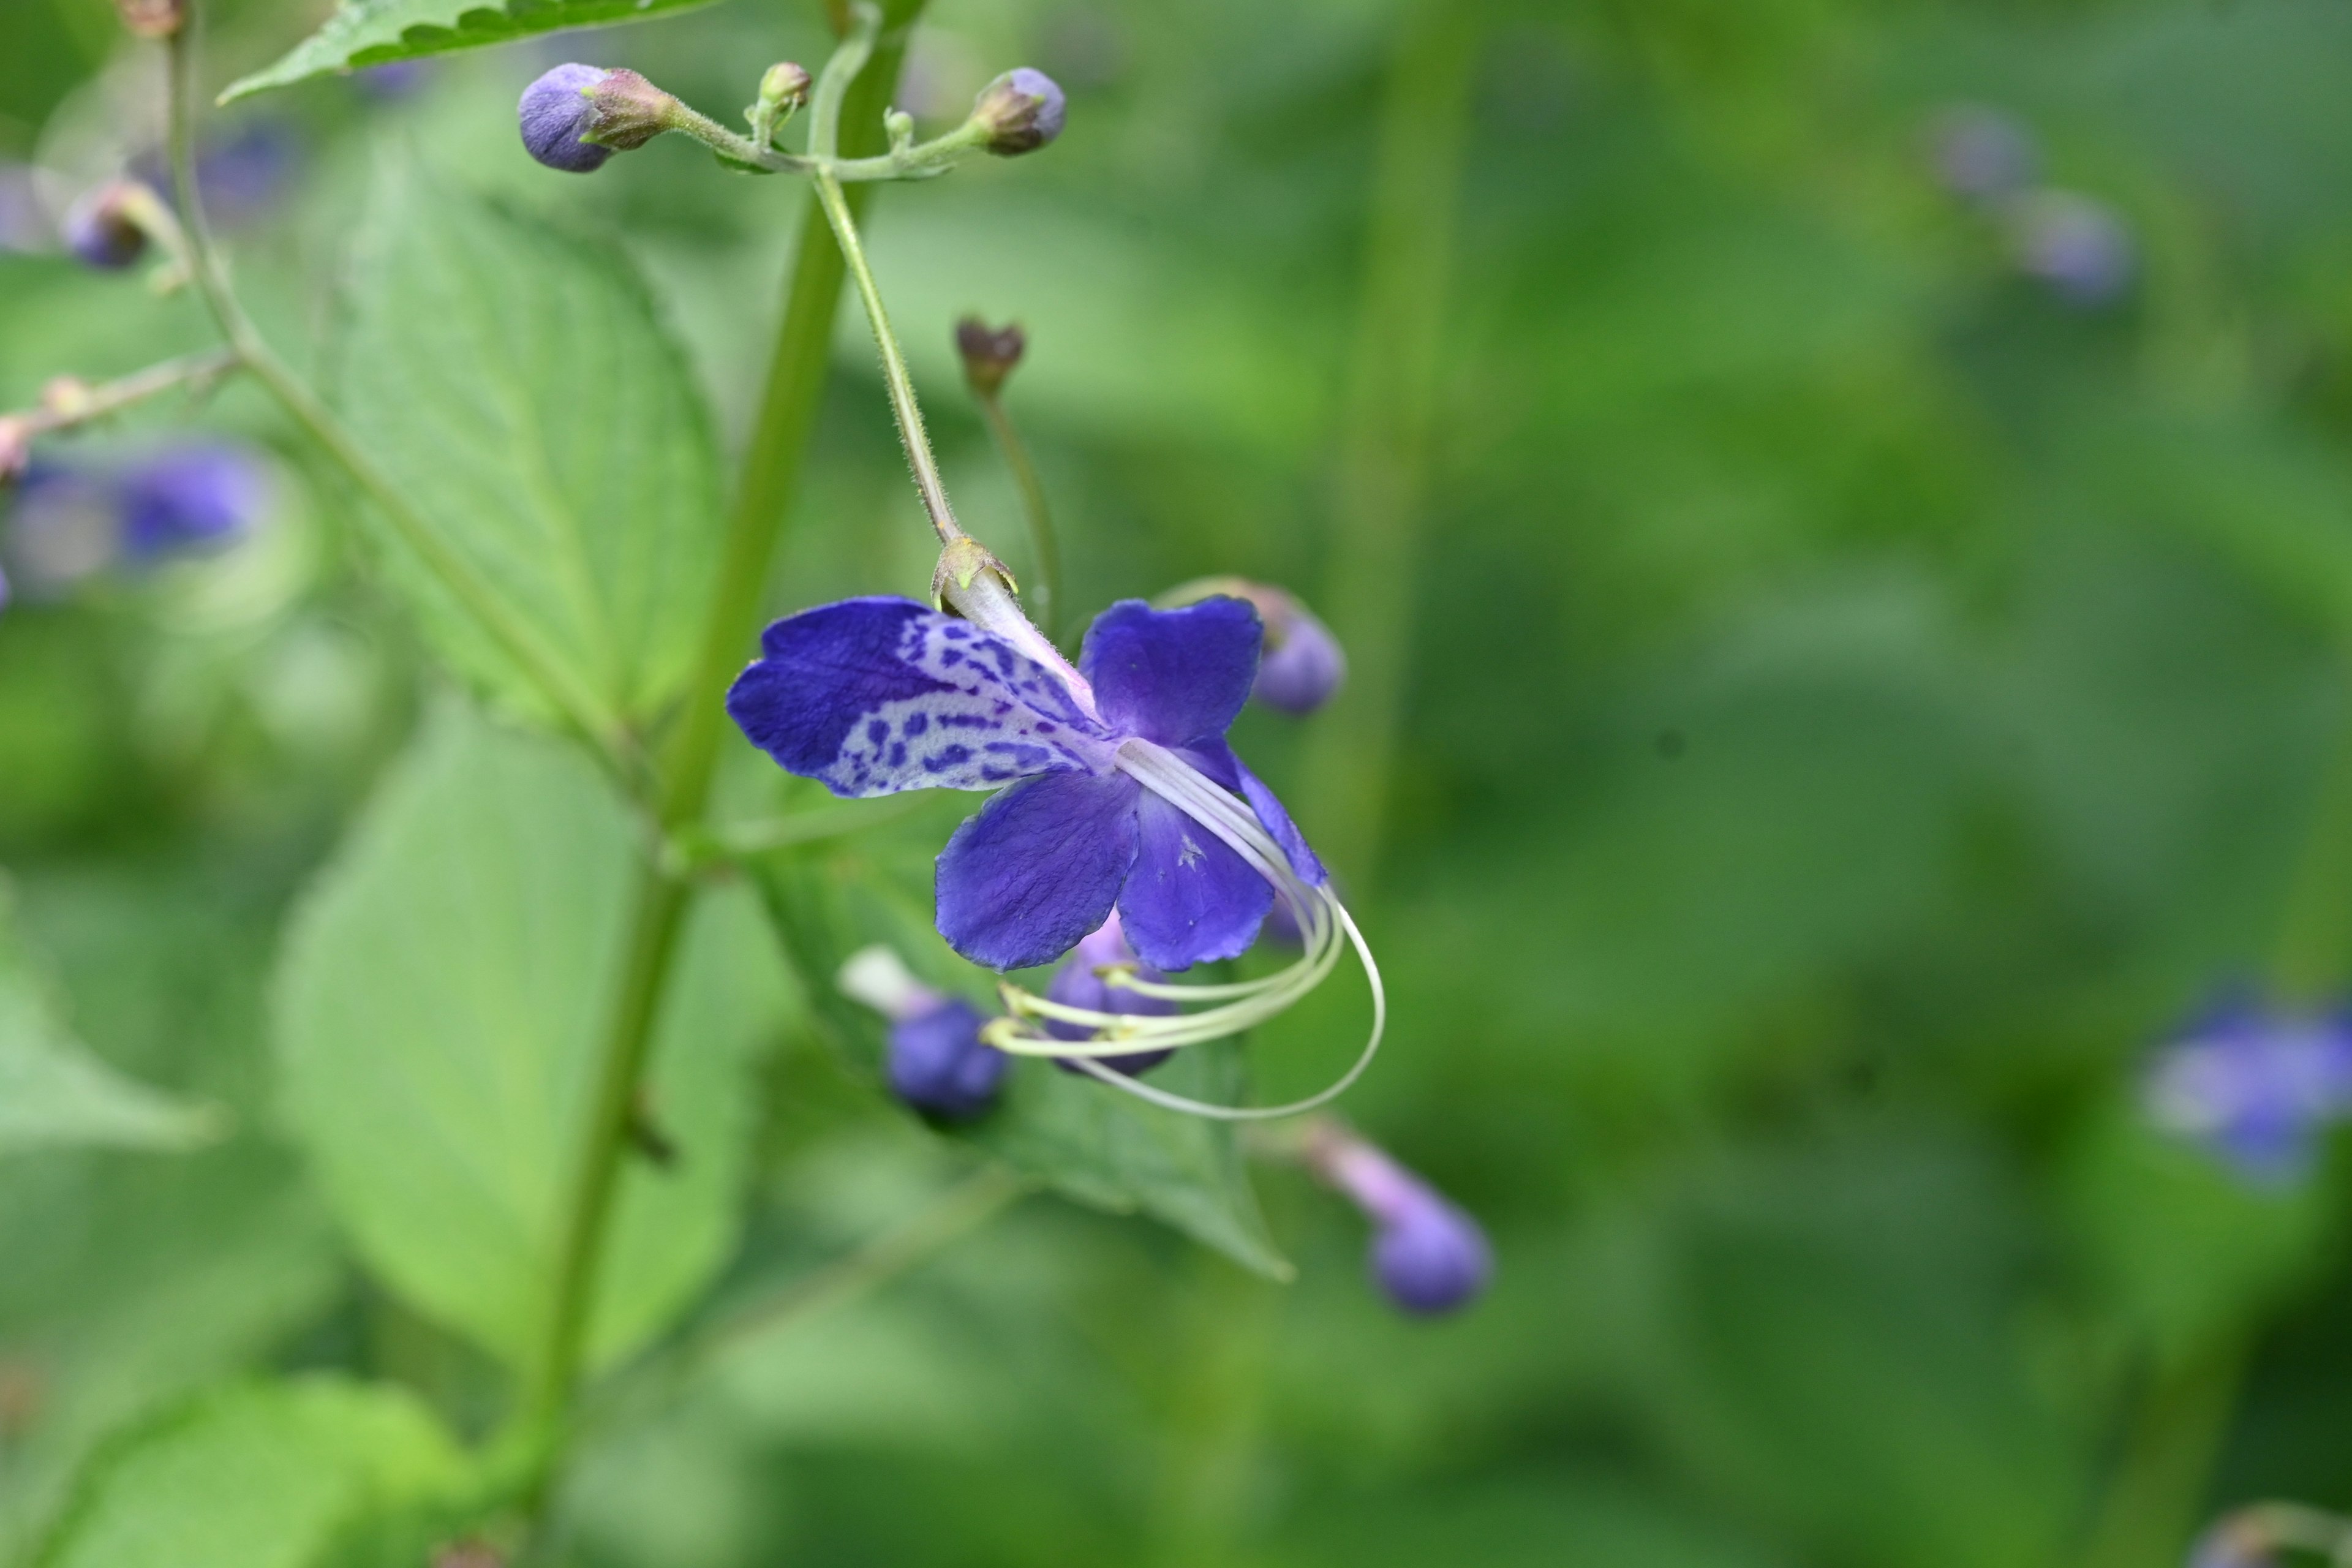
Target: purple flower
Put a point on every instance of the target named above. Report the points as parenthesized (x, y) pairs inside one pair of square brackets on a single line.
[(874, 696), (2077, 246), (936, 1061), (189, 496), (2255, 1086), (1428, 1257), (1075, 984)]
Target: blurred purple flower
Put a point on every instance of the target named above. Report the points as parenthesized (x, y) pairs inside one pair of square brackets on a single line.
[(935, 1060), (1983, 155), (1075, 984), (395, 80), (2255, 1086), (69, 519), (242, 173), (2077, 246)]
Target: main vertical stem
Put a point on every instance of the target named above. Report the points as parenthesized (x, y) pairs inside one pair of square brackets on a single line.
[(776, 446), (1385, 439)]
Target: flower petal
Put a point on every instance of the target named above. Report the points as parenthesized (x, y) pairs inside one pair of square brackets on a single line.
[(1037, 869), (874, 696), (1285, 832), (1189, 897), (1173, 676)]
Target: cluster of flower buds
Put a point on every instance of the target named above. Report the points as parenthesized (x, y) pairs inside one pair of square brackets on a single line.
[(2075, 244), (1428, 1255), (576, 117), (1301, 665), (66, 520), (936, 1062), (2257, 1085)]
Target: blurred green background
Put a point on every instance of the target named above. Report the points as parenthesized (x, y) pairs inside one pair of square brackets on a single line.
[(1827, 704)]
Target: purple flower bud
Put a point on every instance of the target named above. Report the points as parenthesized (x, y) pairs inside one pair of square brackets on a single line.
[(187, 496), (1983, 155), (2077, 246), (1302, 665), (989, 354), (576, 117), (1075, 984), (2254, 1085), (1428, 1257), (1020, 111), (938, 1064), (100, 230)]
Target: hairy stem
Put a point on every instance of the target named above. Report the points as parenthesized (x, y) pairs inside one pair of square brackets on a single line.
[(895, 374), (84, 403), (1043, 544), (580, 705), (770, 471)]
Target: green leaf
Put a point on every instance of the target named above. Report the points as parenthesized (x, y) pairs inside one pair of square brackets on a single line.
[(515, 385), (376, 32), (259, 1476), (54, 1093), (1091, 1142), (441, 1003)]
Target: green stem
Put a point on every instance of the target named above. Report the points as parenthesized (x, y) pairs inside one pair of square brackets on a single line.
[(578, 704), (912, 435), (771, 462), (1385, 437), (113, 396), (1043, 543)]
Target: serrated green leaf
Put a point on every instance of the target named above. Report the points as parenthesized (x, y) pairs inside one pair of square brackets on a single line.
[(261, 1476), (514, 384), (377, 32), (441, 1003), (1090, 1142), (56, 1093)]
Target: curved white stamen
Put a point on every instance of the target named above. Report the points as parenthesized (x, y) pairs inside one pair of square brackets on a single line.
[(1326, 928)]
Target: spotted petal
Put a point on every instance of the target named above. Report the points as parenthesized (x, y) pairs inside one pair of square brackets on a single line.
[(1190, 898), (873, 696), (1173, 676), (1037, 869)]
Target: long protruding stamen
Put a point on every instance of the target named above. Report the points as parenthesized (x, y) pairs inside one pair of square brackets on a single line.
[(1324, 924)]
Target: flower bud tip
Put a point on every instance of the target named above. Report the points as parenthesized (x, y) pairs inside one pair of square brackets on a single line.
[(1020, 111), (786, 86), (988, 356), (101, 230)]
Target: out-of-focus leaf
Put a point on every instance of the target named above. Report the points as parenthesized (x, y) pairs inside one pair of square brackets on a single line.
[(2184, 1248), (1087, 1140), (516, 388), (262, 1476), (54, 1093), (375, 32), (441, 1006)]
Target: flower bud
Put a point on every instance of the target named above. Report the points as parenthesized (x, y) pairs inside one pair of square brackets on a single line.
[(576, 117), (152, 18), (1075, 984), (1020, 111), (989, 357), (1428, 1257), (101, 230), (786, 86), (936, 1061)]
